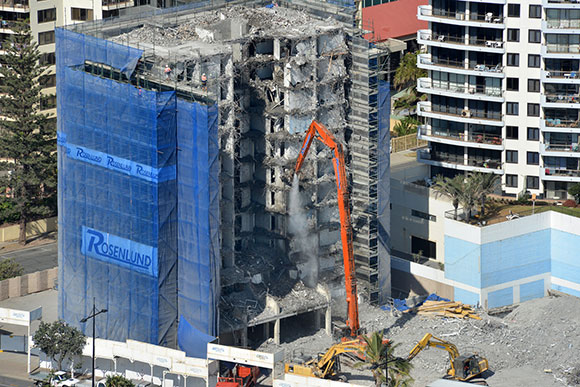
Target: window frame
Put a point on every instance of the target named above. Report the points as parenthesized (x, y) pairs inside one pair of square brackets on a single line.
[(535, 83), (512, 108), (534, 157), (511, 32), (509, 156), (536, 13), (513, 10), (515, 57), (534, 36), (535, 134), (511, 87), (509, 181), (533, 109), (43, 41), (46, 15), (534, 57), (510, 135), (535, 180)]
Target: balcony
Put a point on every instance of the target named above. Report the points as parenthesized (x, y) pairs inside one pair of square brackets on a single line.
[(425, 61), (14, 6), (567, 4), (472, 139), (560, 100), (424, 109), (560, 125), (560, 76), (559, 149), (559, 174), (459, 162), (475, 92), (109, 5), (488, 20), (560, 51), (560, 25), (427, 37)]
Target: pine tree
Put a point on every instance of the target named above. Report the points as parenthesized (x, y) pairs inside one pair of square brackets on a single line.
[(27, 137)]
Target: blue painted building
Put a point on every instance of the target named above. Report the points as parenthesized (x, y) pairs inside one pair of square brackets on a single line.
[(513, 261)]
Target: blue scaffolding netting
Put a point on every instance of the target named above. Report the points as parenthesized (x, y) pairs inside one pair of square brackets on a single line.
[(138, 219), (384, 185)]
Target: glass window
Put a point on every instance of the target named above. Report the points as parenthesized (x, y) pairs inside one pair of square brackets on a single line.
[(513, 59), (533, 134), (47, 59), (511, 181), (47, 80), (513, 10), (511, 156), (81, 14), (513, 108), (533, 158), (535, 11), (534, 36), (533, 61), (533, 110), (532, 182), (513, 84), (533, 85), (511, 132), (513, 34), (45, 37), (46, 15)]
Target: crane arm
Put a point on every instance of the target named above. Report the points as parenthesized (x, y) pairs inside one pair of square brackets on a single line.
[(319, 131)]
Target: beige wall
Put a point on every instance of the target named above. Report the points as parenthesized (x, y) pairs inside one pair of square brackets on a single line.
[(28, 283), (10, 233), (417, 285)]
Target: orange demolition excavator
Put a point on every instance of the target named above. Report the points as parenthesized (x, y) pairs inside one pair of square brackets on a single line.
[(320, 132)]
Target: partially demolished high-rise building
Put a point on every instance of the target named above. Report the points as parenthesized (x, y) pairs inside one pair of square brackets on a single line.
[(178, 134)]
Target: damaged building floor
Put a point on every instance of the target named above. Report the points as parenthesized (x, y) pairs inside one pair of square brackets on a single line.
[(535, 344)]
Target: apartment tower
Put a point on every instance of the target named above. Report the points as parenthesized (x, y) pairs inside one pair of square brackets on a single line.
[(503, 92)]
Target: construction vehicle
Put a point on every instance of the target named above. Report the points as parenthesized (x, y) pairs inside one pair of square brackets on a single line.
[(320, 132), (327, 365), (240, 376), (462, 367)]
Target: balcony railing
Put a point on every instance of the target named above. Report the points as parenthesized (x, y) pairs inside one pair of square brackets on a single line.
[(476, 137), (563, 23), (459, 64), (467, 113), (568, 74), (445, 14), (561, 172), (459, 88), (563, 1), (561, 146), (460, 160), (561, 123), (562, 98), (14, 4), (117, 2), (563, 48)]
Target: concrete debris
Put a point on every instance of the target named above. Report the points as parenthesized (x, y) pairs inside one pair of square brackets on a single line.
[(541, 334)]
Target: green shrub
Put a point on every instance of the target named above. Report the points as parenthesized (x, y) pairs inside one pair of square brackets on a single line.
[(10, 269)]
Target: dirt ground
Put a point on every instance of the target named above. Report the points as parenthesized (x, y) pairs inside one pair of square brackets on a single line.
[(536, 344)]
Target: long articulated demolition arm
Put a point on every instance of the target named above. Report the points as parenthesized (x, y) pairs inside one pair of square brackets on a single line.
[(319, 131)]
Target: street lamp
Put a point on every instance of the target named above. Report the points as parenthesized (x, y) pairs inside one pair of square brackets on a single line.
[(84, 320)]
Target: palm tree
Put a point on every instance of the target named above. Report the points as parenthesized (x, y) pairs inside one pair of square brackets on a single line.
[(407, 73), (379, 354), (486, 182), (405, 126), (450, 187)]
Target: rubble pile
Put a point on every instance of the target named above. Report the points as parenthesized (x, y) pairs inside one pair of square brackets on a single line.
[(260, 21), (536, 344)]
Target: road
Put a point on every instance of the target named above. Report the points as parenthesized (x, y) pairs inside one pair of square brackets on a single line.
[(34, 258)]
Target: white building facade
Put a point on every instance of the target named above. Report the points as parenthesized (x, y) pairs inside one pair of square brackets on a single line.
[(503, 92)]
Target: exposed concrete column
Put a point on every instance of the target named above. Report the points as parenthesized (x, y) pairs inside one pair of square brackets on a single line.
[(244, 337), (272, 304), (328, 315)]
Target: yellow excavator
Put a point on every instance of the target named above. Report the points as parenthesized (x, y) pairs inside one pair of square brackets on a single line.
[(463, 367), (327, 365)]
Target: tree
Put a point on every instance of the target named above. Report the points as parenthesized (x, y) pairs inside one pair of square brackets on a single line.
[(574, 190), (450, 187), (407, 73), (10, 269), (379, 354), (59, 341), (407, 125), (486, 183), (28, 137), (118, 381)]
